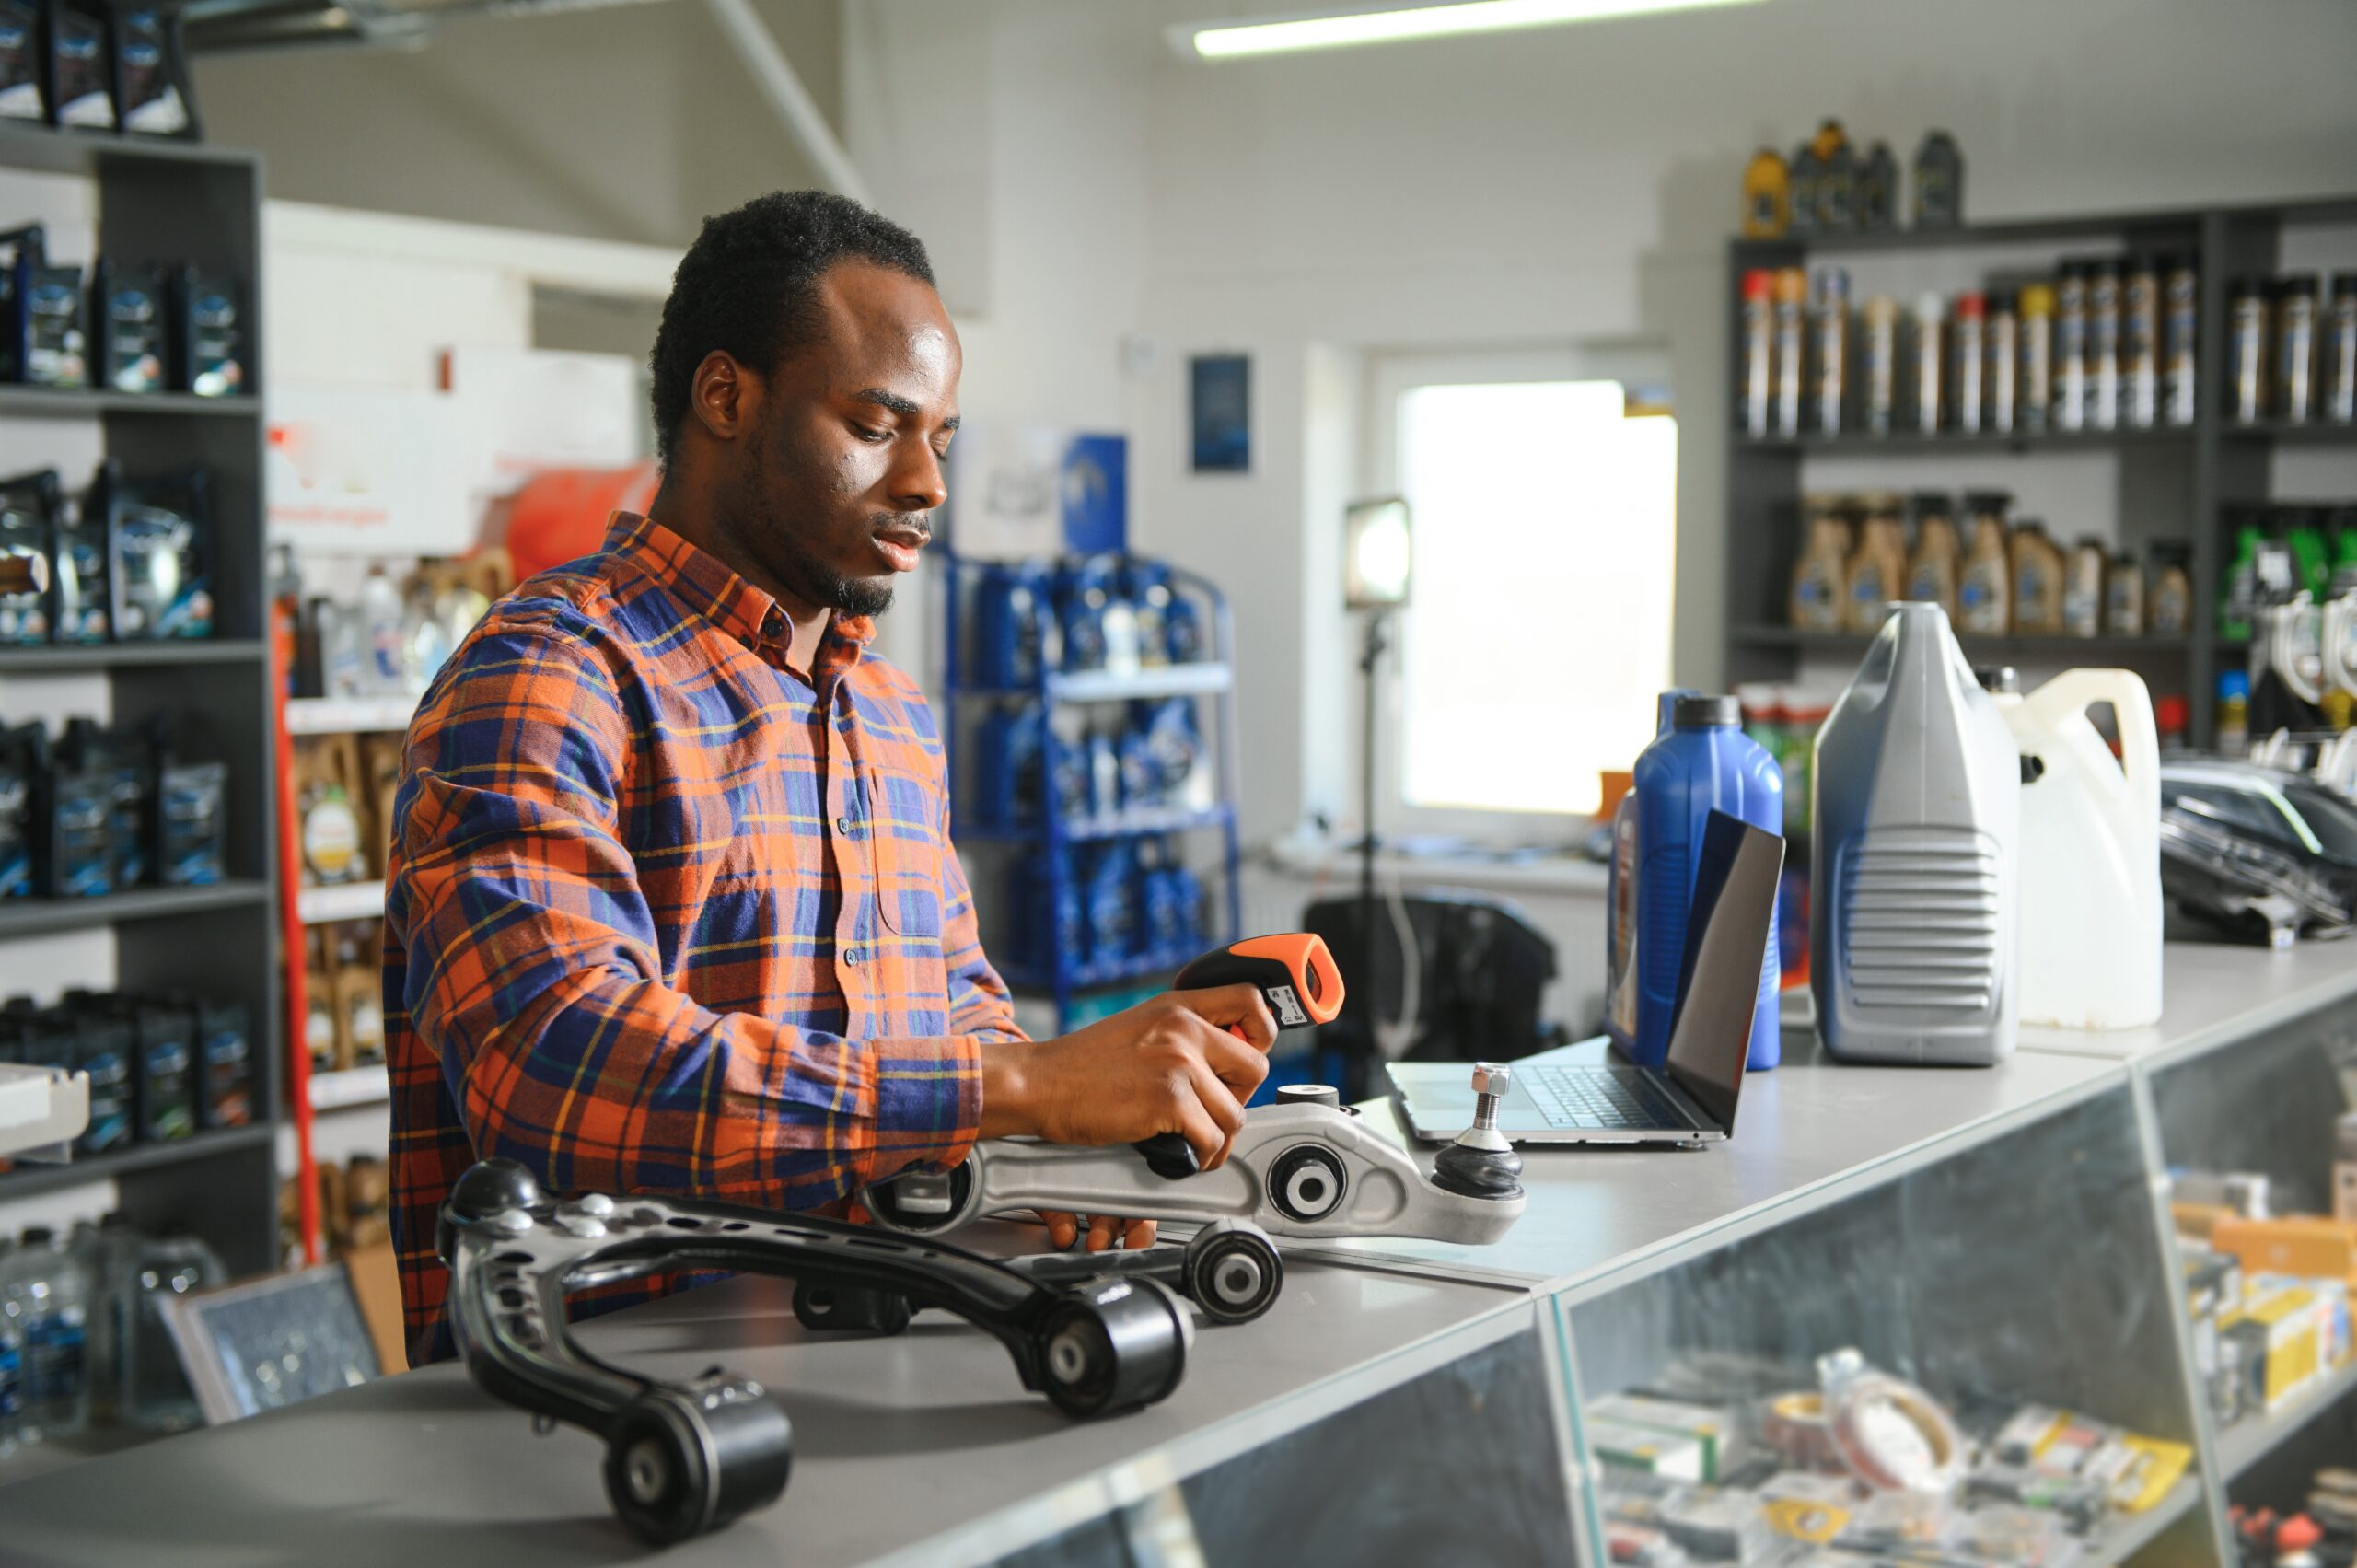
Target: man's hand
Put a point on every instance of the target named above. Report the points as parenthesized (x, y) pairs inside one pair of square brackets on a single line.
[(1167, 1066), (1104, 1231)]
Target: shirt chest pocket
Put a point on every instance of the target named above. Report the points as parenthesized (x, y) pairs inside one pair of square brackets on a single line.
[(904, 838)]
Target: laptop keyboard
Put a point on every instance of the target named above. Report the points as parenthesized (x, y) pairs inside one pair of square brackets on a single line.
[(1599, 1097)]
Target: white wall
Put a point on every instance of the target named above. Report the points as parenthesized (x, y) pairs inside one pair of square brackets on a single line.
[(1568, 184)]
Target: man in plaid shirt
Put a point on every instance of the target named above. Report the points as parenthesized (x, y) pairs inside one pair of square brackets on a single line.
[(672, 905)]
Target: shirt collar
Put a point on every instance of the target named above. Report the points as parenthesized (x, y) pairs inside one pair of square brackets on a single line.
[(708, 588)]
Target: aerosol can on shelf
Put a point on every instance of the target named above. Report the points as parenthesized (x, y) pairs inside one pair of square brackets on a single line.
[(1915, 879), (2091, 851)]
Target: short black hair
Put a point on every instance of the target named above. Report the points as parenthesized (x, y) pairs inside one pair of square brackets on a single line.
[(745, 286)]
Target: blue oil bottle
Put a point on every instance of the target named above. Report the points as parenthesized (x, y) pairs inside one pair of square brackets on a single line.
[(1703, 763)]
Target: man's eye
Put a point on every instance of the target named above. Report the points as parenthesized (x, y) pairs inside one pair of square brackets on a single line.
[(868, 433)]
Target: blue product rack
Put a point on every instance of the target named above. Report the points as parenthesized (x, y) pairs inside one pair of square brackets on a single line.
[(1068, 976)]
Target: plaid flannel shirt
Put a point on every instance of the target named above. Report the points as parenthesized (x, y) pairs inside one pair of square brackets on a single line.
[(666, 915)]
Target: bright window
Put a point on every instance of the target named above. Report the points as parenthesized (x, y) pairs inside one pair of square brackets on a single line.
[(1538, 626)]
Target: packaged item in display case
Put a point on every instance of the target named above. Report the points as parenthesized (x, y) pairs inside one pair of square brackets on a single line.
[(327, 775)]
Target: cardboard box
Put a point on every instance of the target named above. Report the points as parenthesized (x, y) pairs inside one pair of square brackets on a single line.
[(2283, 1344), (1711, 1427), (375, 1282), (2309, 1246), (1643, 1448)]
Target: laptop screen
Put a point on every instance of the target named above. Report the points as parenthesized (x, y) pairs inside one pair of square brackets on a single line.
[(1726, 943)]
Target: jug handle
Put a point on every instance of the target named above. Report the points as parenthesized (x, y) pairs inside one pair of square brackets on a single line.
[(2075, 691)]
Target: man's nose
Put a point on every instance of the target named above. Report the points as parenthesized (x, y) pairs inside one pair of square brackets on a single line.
[(917, 482)]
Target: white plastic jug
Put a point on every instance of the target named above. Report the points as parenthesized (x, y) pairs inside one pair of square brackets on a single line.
[(2091, 854)]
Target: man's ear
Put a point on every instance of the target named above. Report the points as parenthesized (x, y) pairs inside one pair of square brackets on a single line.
[(723, 396)]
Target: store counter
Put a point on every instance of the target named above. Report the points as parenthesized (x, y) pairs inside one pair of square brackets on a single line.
[(1989, 1230)]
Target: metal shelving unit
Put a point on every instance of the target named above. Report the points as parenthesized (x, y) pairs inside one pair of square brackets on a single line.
[(171, 202), (2175, 482), (1070, 974)]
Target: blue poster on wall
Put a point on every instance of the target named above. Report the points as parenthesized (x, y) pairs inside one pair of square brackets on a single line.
[(1017, 492), (1094, 491), (1219, 406)]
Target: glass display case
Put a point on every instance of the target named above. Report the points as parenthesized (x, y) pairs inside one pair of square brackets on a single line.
[(1990, 1337), (2260, 1142)]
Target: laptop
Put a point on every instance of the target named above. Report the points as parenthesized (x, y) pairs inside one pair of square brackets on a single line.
[(1691, 1097)]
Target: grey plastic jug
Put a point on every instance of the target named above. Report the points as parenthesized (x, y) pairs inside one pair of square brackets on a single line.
[(1914, 875)]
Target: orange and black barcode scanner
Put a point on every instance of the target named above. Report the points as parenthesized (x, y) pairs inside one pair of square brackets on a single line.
[(1295, 974)]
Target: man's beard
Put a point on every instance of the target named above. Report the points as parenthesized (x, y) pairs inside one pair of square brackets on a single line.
[(765, 534)]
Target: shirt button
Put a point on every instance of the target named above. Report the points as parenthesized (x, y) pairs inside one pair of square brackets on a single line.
[(850, 956), (844, 826)]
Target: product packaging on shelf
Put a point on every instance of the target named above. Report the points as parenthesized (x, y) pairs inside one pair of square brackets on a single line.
[(81, 585), (328, 792), (127, 326), (47, 341), (151, 79), (209, 335), (158, 531), (28, 505), (22, 94), (81, 65)]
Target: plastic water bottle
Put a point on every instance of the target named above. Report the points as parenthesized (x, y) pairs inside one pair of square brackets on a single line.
[(12, 1361), (48, 1295), (151, 1390), (1704, 764)]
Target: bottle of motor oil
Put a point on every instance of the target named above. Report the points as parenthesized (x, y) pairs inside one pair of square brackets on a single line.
[(1877, 572), (2170, 611), (2102, 344), (1704, 764), (1836, 183), (1929, 336), (2123, 596), (1877, 200), (1915, 873), (1767, 196), (1984, 594), (2038, 580), (1932, 572), (1820, 576), (1620, 902), (2337, 383), (2082, 588), (1939, 183), (1878, 363), (1803, 170)]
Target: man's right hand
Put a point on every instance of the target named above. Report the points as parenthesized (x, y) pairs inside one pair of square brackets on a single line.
[(1167, 1066)]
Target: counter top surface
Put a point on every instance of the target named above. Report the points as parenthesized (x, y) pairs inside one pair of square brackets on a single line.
[(897, 1441), (2213, 994), (902, 1441)]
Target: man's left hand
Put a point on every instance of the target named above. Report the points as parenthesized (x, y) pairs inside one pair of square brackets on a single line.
[(1104, 1231)]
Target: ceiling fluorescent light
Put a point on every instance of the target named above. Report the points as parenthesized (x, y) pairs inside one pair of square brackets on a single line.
[(1288, 34)]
